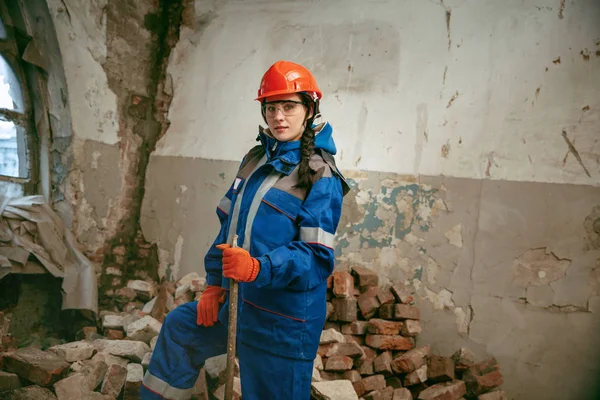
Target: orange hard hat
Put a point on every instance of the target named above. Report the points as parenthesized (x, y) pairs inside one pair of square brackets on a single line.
[(287, 77)]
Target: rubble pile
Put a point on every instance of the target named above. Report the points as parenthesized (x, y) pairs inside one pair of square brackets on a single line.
[(368, 349)]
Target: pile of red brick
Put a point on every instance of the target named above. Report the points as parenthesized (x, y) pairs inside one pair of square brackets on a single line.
[(369, 342)]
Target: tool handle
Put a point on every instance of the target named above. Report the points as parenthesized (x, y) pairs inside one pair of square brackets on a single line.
[(231, 333)]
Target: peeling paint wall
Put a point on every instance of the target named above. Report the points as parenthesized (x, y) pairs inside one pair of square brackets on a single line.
[(471, 142)]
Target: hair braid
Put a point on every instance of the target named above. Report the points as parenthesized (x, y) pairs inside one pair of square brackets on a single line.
[(307, 144)]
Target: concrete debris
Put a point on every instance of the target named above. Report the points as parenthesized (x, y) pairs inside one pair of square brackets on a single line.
[(114, 380), (40, 367), (75, 351), (143, 329), (129, 349)]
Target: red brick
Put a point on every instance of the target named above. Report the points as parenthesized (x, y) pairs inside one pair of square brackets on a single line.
[(463, 359), (360, 340), (382, 362), (345, 310), (386, 311), (339, 363), (495, 395), (364, 364), (402, 293), (343, 284), (390, 342), (40, 367), (384, 327), (369, 384), (386, 296), (330, 282), (366, 277), (411, 328), (444, 391), (355, 328), (411, 360), (114, 334), (368, 302), (402, 394), (324, 348), (331, 376), (440, 369), (383, 394), (344, 349), (482, 377), (419, 375), (403, 311), (352, 375)]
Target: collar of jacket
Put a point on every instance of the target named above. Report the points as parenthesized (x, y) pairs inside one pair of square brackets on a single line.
[(283, 156)]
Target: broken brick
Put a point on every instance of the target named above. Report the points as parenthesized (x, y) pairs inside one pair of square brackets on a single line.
[(332, 325), (419, 375), (9, 381), (411, 360), (495, 395), (366, 277), (385, 296), (364, 364), (463, 359), (401, 292), (403, 311), (345, 310), (114, 380), (482, 377), (386, 393), (360, 340), (382, 364), (390, 342), (393, 381), (40, 367), (133, 383), (113, 334), (339, 389), (343, 284), (339, 363), (331, 336), (368, 302), (344, 349), (444, 391), (386, 311), (352, 375), (355, 328), (32, 392), (384, 327), (74, 351), (329, 311), (411, 328), (402, 394), (440, 369), (369, 384)]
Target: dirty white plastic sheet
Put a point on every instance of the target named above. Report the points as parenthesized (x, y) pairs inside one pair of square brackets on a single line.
[(29, 227)]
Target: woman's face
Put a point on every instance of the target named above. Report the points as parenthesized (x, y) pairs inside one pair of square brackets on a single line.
[(285, 116)]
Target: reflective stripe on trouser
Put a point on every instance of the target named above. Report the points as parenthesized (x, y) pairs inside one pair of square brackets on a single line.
[(182, 347), (180, 352)]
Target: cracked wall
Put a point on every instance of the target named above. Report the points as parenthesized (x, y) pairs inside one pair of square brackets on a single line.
[(470, 142)]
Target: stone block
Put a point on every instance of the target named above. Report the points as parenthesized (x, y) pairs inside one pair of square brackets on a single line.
[(369, 384), (9, 381), (144, 329), (355, 328), (333, 390), (339, 363), (74, 351), (129, 349), (343, 285), (384, 327), (40, 367), (331, 336), (368, 302), (453, 390), (410, 328), (382, 364), (404, 311), (365, 276), (440, 369), (345, 310), (411, 360), (389, 342), (114, 380)]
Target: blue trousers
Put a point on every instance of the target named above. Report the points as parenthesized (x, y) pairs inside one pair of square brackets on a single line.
[(183, 346)]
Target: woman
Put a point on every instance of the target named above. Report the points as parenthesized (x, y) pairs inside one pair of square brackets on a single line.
[(284, 206)]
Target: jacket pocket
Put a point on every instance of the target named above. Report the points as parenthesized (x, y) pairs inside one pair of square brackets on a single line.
[(275, 221)]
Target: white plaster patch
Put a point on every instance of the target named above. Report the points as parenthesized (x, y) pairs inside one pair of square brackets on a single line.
[(177, 257), (432, 270), (454, 236), (362, 198), (440, 300), (463, 319), (164, 261), (95, 157)]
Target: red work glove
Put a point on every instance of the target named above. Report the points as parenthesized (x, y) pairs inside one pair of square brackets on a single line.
[(208, 305), (238, 264)]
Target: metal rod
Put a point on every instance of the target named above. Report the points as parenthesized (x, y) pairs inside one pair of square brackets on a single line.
[(231, 332)]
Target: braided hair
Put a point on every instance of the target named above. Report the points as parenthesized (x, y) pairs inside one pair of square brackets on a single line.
[(307, 142)]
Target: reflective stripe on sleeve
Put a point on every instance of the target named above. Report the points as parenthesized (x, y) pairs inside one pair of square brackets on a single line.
[(317, 236)]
